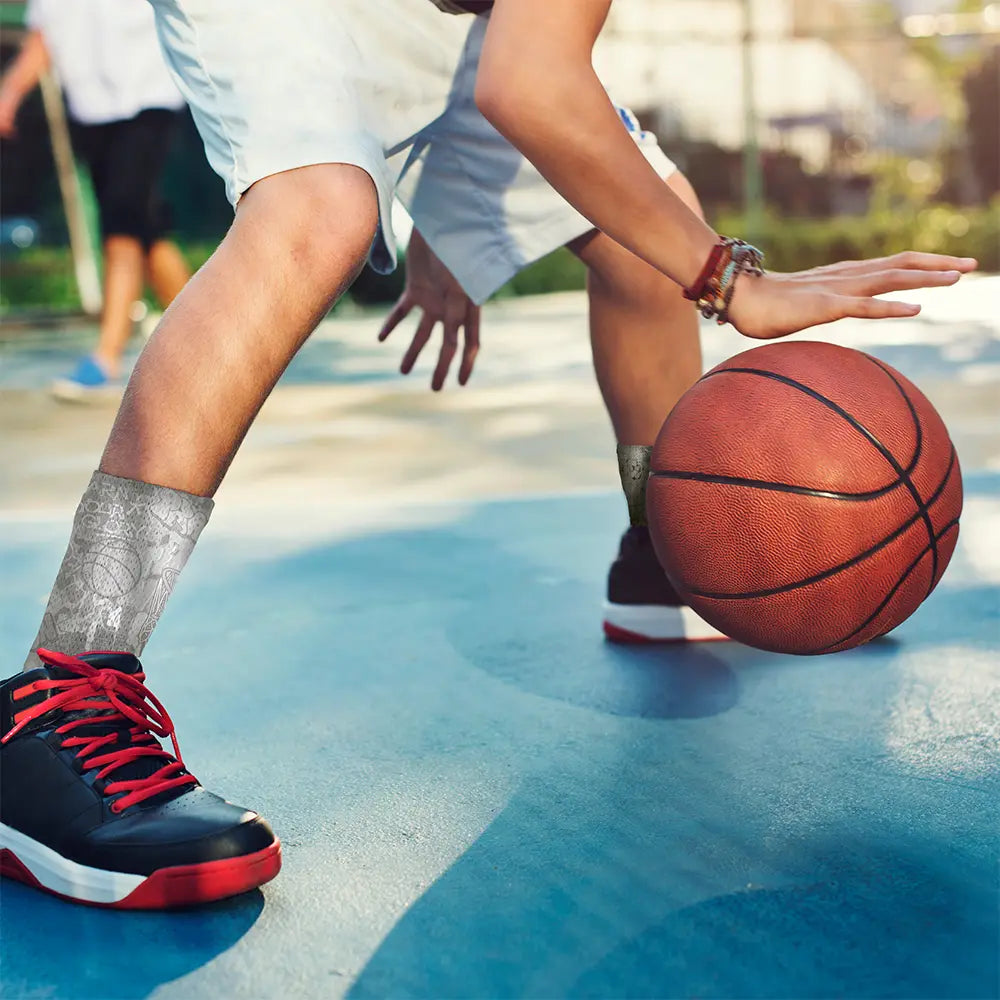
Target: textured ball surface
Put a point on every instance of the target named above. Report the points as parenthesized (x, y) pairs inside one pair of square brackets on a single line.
[(804, 497)]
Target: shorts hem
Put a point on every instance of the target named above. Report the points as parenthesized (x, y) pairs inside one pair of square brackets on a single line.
[(382, 256), (485, 276), (489, 276)]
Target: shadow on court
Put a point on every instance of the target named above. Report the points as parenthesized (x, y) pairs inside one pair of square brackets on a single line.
[(52, 949), (869, 920), (886, 925), (479, 797)]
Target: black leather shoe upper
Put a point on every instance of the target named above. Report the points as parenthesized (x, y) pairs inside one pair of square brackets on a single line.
[(636, 576), (48, 792)]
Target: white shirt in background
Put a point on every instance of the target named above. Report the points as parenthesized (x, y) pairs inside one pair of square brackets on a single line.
[(107, 57)]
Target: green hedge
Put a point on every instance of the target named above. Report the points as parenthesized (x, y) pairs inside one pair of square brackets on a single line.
[(795, 244), (43, 277), (561, 271)]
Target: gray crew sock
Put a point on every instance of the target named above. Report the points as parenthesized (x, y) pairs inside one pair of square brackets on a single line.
[(633, 466), (130, 540)]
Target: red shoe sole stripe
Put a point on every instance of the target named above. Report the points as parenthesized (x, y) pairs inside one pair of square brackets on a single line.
[(183, 885), (11, 867)]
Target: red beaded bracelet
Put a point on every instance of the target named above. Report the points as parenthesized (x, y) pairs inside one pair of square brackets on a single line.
[(713, 291), (698, 289)]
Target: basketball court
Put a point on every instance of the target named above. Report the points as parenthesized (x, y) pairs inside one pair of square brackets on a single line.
[(389, 643)]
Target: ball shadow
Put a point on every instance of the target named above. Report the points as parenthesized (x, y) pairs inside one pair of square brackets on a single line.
[(548, 643)]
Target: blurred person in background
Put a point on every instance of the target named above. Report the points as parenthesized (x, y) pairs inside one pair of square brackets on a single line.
[(123, 108)]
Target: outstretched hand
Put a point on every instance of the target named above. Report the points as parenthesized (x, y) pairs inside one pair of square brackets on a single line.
[(776, 305), (431, 287)]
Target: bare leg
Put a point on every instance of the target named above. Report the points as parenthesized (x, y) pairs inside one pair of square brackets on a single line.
[(123, 260), (167, 271), (644, 333), (647, 353), (298, 240)]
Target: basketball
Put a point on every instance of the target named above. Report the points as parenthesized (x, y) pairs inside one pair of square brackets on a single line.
[(804, 498)]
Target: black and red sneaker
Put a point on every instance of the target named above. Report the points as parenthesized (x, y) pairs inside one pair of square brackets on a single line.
[(642, 605), (94, 810)]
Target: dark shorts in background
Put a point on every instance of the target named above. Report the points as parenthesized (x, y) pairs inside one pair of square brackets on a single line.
[(126, 161)]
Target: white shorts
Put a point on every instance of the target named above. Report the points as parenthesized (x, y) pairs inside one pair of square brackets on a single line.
[(277, 86)]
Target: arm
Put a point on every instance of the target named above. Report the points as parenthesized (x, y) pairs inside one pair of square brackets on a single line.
[(21, 78), (537, 86)]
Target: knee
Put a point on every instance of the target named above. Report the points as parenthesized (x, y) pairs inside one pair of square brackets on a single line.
[(325, 216), (340, 207), (620, 278)]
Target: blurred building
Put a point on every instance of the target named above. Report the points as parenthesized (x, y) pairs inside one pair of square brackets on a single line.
[(828, 83)]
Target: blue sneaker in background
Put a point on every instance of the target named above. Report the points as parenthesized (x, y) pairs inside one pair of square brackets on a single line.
[(87, 381)]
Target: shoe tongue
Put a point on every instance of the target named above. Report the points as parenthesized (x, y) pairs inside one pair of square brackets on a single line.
[(124, 663)]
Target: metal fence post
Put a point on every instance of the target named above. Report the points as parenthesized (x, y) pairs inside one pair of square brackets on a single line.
[(88, 279)]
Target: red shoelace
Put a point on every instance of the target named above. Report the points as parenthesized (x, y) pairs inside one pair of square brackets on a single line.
[(117, 697)]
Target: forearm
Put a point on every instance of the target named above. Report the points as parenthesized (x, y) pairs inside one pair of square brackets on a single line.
[(26, 70), (539, 89)]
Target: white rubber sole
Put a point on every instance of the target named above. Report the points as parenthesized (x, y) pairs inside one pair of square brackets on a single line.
[(26, 860), (68, 391), (656, 623), (65, 877)]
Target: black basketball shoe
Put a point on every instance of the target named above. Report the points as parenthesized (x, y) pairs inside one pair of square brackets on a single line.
[(642, 605), (94, 810)]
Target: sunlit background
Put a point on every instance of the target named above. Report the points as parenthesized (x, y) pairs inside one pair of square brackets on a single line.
[(821, 130)]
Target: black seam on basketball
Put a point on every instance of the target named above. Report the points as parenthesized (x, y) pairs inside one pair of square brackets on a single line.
[(916, 493), (932, 546), (834, 570), (904, 477), (763, 484), (842, 413)]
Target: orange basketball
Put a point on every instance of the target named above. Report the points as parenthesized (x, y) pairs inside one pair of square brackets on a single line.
[(804, 498)]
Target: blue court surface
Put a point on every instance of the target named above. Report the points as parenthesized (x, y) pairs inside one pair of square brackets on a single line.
[(478, 797)]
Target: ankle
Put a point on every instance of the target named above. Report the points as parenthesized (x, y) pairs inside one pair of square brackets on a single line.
[(633, 467)]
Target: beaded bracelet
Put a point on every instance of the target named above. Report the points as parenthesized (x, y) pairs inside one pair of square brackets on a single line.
[(713, 291)]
